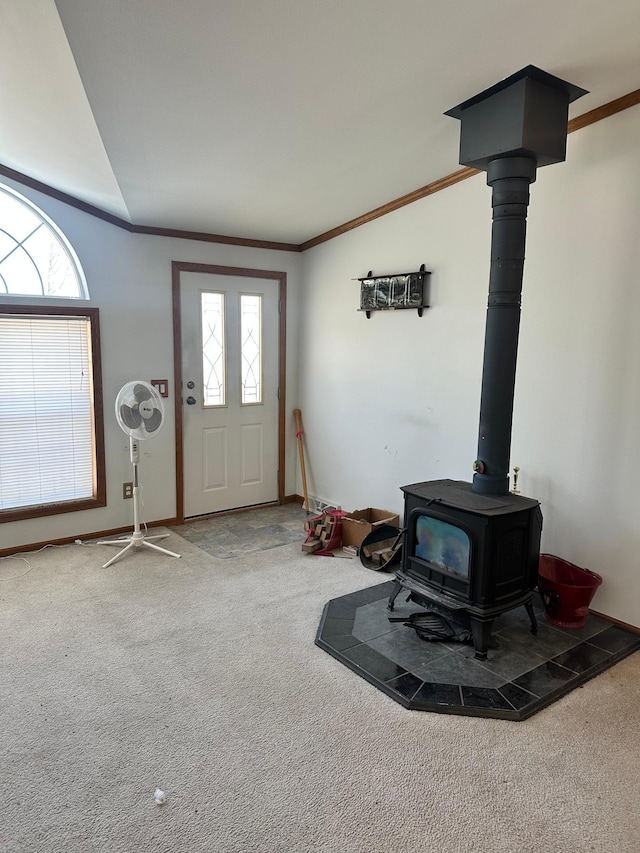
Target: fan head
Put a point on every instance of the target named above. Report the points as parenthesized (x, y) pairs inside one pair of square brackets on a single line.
[(139, 410)]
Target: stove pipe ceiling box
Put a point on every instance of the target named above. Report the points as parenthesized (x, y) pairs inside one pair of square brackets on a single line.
[(524, 115)]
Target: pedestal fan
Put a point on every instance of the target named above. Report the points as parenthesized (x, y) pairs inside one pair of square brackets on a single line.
[(140, 415)]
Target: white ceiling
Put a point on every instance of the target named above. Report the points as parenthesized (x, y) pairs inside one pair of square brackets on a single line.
[(275, 119)]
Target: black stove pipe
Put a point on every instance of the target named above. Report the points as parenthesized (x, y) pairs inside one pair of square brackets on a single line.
[(509, 130), (509, 178)]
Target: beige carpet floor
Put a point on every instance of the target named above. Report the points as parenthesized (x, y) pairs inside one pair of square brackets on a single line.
[(200, 676)]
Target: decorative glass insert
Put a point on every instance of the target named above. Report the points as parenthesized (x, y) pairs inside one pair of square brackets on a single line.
[(443, 544), (213, 349), (35, 258), (251, 348)]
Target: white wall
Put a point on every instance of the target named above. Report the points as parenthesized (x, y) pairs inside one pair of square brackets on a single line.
[(129, 280), (395, 399)]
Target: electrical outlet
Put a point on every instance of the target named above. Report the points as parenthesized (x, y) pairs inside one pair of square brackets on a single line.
[(127, 490)]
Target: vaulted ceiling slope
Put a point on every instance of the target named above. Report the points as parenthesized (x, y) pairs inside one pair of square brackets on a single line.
[(275, 119)]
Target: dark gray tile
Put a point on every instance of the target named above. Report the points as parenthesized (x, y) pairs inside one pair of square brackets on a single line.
[(379, 592), (253, 546), (406, 685), (510, 660), (342, 608), (375, 664), (372, 620), (614, 639), (516, 696), (263, 517), (262, 532), (548, 642), (407, 649), (546, 678), (340, 642), (482, 697), (453, 668), (291, 536), (226, 536), (333, 626), (593, 625), (582, 658), (295, 524), (336, 633), (215, 539), (438, 694), (432, 676)]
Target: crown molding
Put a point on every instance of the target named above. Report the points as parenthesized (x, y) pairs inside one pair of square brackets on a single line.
[(605, 111), (591, 117), (132, 228)]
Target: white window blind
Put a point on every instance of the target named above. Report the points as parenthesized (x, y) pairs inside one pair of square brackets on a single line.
[(46, 410)]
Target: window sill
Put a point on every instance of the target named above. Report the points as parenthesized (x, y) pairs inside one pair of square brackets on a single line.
[(41, 510)]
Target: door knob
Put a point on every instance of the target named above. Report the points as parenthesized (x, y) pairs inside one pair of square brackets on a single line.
[(191, 401)]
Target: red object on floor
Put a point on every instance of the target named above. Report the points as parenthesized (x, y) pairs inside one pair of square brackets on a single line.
[(566, 591), (336, 516)]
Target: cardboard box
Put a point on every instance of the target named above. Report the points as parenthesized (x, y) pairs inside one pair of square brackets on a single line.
[(356, 525)]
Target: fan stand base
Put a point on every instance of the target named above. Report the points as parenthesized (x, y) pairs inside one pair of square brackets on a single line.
[(136, 540)]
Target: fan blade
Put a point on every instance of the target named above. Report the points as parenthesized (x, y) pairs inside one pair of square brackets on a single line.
[(152, 423), (131, 417), (141, 393)]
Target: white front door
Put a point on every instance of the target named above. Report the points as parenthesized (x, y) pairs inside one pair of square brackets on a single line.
[(229, 391)]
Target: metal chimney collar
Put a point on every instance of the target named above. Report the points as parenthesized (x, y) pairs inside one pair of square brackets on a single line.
[(523, 116), (531, 72)]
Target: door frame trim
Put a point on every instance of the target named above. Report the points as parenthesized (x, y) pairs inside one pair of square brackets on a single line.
[(178, 267)]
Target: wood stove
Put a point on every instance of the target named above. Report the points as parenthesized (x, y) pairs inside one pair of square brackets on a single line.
[(469, 557), (471, 550)]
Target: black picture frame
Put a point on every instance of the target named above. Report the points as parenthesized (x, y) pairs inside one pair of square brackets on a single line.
[(394, 292)]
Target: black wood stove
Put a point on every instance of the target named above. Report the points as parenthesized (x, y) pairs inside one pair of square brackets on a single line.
[(469, 557), (471, 550)]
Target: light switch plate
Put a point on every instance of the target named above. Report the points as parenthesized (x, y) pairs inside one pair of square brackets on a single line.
[(162, 385)]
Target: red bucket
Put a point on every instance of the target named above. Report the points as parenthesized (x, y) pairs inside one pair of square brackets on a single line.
[(566, 591)]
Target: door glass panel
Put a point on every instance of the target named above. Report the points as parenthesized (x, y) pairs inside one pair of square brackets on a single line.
[(213, 349), (251, 348)]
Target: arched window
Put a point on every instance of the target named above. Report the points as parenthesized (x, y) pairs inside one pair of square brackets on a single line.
[(35, 258), (51, 429)]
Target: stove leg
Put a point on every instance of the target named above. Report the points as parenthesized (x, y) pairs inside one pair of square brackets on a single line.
[(394, 594), (532, 617), (481, 631)]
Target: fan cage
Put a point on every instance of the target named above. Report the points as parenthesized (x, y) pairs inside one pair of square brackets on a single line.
[(139, 410)]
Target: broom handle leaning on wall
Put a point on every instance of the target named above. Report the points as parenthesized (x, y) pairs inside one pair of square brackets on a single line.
[(299, 433)]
